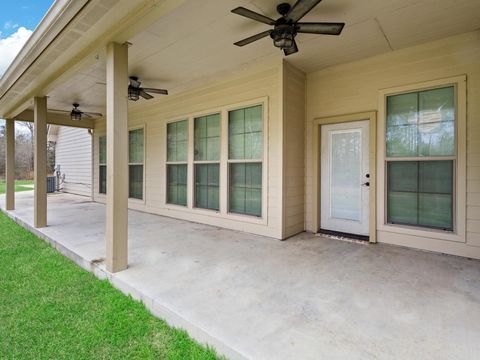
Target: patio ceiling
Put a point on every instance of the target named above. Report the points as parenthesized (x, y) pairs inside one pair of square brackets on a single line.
[(193, 45)]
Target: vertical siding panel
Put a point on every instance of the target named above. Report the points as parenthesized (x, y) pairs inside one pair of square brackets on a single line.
[(73, 152)]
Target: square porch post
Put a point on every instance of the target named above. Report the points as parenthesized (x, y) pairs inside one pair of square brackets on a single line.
[(117, 157), (40, 161), (10, 164)]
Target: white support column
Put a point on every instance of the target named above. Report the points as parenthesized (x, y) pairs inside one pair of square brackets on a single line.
[(10, 165), (40, 161), (117, 157)]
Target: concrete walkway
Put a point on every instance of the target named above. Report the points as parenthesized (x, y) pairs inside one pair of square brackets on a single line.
[(305, 298)]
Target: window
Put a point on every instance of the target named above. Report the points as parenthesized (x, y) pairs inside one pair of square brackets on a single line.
[(421, 158), (102, 167), (177, 150), (245, 152), (207, 161), (135, 163)]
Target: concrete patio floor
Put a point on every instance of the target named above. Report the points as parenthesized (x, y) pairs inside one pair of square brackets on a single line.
[(309, 297)]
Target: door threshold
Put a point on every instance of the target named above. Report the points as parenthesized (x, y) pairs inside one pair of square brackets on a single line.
[(345, 236)]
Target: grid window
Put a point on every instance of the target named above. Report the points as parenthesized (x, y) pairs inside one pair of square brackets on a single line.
[(207, 161), (421, 158), (102, 161), (245, 149), (135, 163), (177, 157)]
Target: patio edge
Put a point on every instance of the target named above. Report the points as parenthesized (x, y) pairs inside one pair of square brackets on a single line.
[(154, 307)]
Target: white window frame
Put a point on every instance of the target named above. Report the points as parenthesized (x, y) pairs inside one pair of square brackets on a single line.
[(224, 183), (459, 196)]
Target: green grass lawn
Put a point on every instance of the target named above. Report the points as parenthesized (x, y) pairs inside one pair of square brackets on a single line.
[(52, 309), (19, 185)]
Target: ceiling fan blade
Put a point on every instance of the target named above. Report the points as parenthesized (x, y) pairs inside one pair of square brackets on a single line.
[(300, 9), (135, 83), (92, 114), (156, 91), (62, 111), (320, 28), (253, 38), (145, 95), (253, 15), (291, 50)]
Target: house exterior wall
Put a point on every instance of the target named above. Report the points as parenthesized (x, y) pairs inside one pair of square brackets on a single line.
[(294, 82), (357, 87), (259, 86), (73, 152)]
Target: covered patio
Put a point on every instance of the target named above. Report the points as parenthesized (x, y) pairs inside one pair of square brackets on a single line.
[(253, 297)]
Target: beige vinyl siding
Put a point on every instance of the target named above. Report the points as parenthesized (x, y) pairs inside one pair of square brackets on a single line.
[(73, 153), (355, 87), (261, 85), (294, 82)]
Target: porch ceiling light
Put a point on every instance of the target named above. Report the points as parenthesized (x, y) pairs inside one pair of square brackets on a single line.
[(133, 93), (76, 115), (283, 36)]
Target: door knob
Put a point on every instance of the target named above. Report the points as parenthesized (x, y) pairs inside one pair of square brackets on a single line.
[(366, 184)]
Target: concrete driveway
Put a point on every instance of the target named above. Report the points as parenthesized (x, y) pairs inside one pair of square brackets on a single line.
[(309, 297)]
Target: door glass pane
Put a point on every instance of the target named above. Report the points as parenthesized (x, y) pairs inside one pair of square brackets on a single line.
[(345, 181), (135, 181)]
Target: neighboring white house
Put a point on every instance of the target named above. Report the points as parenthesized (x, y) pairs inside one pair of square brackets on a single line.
[(73, 156)]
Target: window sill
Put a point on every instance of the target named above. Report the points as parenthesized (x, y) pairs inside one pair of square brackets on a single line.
[(423, 232)]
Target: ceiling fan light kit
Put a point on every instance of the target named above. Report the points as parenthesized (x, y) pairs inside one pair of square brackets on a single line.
[(286, 27), (135, 91)]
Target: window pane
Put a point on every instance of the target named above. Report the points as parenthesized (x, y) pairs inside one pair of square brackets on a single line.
[(177, 141), (245, 195), (420, 193), (402, 208), (436, 105), (177, 184), (207, 137), (402, 109), (436, 177), (436, 139), (135, 146), (102, 180), (207, 186), (421, 123), (135, 181), (435, 210), (102, 149), (245, 133), (402, 140), (403, 176)]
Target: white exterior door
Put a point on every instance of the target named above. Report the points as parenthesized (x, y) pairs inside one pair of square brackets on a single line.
[(345, 177)]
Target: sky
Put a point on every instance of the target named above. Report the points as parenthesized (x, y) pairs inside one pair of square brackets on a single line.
[(18, 19)]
